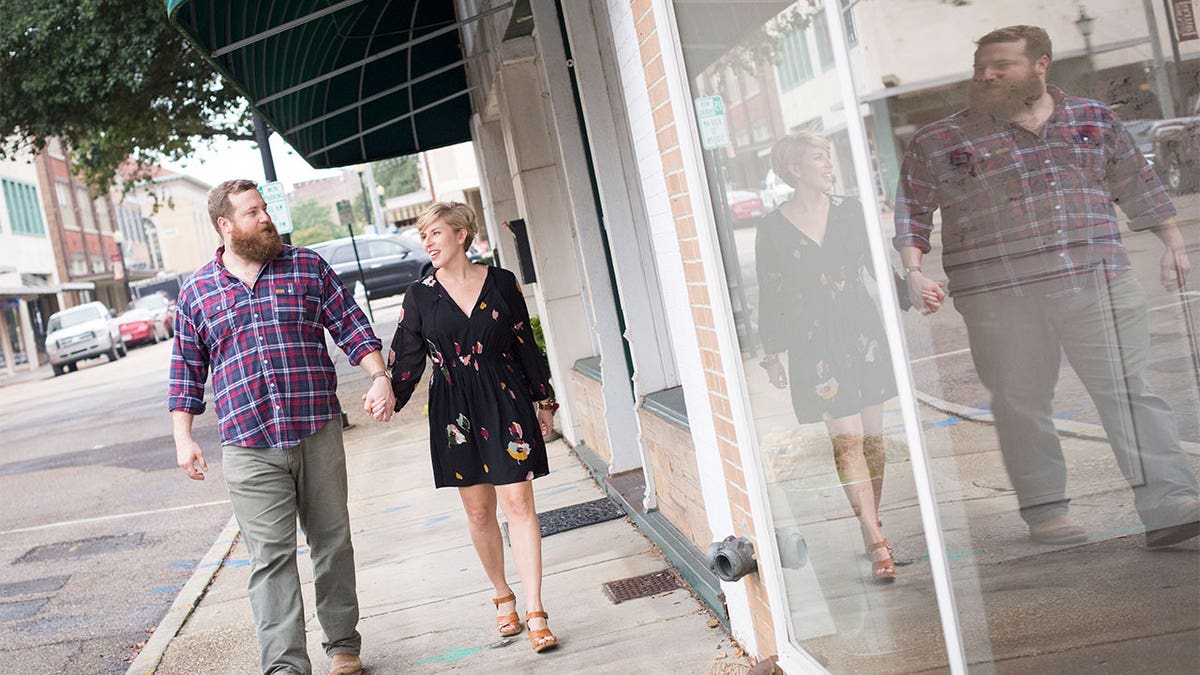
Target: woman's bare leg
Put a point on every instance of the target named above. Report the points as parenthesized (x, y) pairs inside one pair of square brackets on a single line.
[(479, 501), (846, 433), (874, 450), (526, 536)]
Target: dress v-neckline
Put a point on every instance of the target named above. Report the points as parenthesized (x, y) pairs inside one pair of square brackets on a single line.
[(487, 276)]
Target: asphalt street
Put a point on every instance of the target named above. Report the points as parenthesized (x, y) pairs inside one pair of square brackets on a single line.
[(99, 529)]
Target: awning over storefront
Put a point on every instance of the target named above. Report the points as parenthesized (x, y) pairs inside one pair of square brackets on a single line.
[(342, 81), (29, 285)]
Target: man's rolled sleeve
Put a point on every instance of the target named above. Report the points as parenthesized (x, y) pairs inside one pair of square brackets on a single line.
[(345, 319), (1134, 185), (189, 367), (916, 201)]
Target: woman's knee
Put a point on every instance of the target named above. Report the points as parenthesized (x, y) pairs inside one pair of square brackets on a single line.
[(480, 516)]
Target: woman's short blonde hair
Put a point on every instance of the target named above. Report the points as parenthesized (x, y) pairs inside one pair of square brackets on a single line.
[(457, 215), (788, 149)]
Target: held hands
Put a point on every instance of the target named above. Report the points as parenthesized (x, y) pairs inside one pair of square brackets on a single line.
[(1175, 268), (189, 455), (379, 400), (925, 293), (776, 375)]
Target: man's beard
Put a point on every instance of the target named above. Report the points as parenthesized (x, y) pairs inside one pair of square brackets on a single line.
[(1008, 98), (261, 246)]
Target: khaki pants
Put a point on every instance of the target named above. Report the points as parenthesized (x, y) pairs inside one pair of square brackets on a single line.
[(269, 488), (1017, 344)]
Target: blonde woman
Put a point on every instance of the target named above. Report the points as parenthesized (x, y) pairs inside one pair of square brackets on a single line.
[(814, 305), (490, 403)]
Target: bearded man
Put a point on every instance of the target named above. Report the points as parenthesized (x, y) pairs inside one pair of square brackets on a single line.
[(256, 316), (1027, 179)]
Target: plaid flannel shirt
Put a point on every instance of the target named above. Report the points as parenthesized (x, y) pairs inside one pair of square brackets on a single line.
[(273, 381), (1026, 213)]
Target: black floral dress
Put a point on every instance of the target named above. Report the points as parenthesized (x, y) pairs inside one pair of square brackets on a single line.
[(814, 304), (487, 372)]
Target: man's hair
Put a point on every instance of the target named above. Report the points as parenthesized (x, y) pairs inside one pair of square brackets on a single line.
[(457, 215), (788, 149), (1037, 41), (219, 205)]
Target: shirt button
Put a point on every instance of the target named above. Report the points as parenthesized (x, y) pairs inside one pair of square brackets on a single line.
[(1045, 161), (1053, 183), (1060, 229), (1057, 206)]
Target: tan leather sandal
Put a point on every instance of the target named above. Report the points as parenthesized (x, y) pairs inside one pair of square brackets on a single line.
[(541, 638), (883, 570), (509, 624)]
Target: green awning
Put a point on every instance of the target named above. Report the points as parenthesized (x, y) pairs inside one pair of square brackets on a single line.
[(343, 81)]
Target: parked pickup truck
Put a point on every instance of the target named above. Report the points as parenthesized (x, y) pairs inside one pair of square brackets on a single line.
[(1176, 144)]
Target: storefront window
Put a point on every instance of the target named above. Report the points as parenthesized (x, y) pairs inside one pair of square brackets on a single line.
[(1032, 195)]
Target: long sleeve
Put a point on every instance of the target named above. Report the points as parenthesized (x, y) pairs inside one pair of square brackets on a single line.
[(344, 319), (189, 363), (1133, 184), (916, 201), (525, 349), (772, 328), (407, 357)]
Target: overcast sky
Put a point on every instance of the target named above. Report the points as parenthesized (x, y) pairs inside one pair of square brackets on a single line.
[(241, 159)]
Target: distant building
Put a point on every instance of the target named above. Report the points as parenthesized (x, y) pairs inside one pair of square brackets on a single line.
[(179, 233)]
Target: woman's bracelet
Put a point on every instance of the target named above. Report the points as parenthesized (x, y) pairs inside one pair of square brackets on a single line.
[(548, 404)]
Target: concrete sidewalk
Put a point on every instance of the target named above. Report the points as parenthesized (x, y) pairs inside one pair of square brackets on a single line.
[(424, 599)]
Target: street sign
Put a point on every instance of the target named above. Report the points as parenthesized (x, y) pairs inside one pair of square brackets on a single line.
[(273, 194), (1185, 20), (710, 114), (118, 266), (345, 212)]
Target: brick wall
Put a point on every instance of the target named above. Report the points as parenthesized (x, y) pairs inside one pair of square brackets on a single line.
[(672, 457), (650, 42), (588, 404)]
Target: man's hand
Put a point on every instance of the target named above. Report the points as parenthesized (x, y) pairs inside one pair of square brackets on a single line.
[(189, 455), (925, 293), (1175, 268), (379, 400)]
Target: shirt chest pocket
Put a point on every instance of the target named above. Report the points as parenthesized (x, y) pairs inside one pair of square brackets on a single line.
[(295, 304)]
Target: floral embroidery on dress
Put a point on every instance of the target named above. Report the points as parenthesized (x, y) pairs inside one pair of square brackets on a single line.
[(463, 422), (495, 315), (429, 281), (515, 430), (484, 433), (518, 450), (454, 435)]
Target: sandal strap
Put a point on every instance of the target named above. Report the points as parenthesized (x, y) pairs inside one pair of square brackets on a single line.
[(536, 615), (882, 543), (511, 597)]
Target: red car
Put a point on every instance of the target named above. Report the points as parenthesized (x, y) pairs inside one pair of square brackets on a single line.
[(139, 326), (744, 205), (162, 307)]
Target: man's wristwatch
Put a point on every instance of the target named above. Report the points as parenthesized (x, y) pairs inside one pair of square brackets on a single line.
[(380, 373), (908, 270)]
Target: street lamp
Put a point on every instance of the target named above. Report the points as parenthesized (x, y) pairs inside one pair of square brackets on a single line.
[(118, 238), (1084, 25)]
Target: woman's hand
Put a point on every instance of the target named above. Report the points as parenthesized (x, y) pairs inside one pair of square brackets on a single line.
[(776, 375), (545, 420), (925, 293), (1175, 268)]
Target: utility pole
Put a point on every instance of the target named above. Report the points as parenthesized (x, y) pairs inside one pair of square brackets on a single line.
[(1162, 86), (262, 136)]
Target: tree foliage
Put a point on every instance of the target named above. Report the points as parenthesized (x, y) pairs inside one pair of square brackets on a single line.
[(398, 175), (312, 222), (114, 80)]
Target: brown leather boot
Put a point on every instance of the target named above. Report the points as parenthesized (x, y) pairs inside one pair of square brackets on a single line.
[(345, 664)]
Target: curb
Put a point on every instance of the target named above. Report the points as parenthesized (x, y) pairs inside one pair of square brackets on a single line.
[(1071, 428), (189, 596)]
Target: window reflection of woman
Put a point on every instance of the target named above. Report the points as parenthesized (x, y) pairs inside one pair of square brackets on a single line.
[(813, 304)]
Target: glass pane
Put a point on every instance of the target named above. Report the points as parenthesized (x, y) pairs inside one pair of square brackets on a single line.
[(818, 366), (1058, 378)]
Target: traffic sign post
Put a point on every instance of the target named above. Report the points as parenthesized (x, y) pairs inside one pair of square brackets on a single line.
[(710, 115), (276, 199)]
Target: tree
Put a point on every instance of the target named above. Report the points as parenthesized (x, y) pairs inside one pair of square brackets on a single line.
[(113, 80), (312, 223), (398, 175)]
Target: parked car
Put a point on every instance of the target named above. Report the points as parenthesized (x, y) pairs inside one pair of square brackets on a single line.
[(1176, 144), (159, 305), (389, 264), (139, 326), (744, 205), (82, 332), (774, 191)]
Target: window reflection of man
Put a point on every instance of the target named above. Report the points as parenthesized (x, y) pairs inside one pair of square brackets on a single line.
[(1026, 179)]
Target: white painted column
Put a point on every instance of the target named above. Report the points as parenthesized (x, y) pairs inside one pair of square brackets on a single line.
[(539, 193), (6, 346), (495, 186), (620, 417), (31, 347)]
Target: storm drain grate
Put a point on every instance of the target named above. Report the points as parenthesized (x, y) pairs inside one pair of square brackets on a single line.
[(642, 586), (82, 547)]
